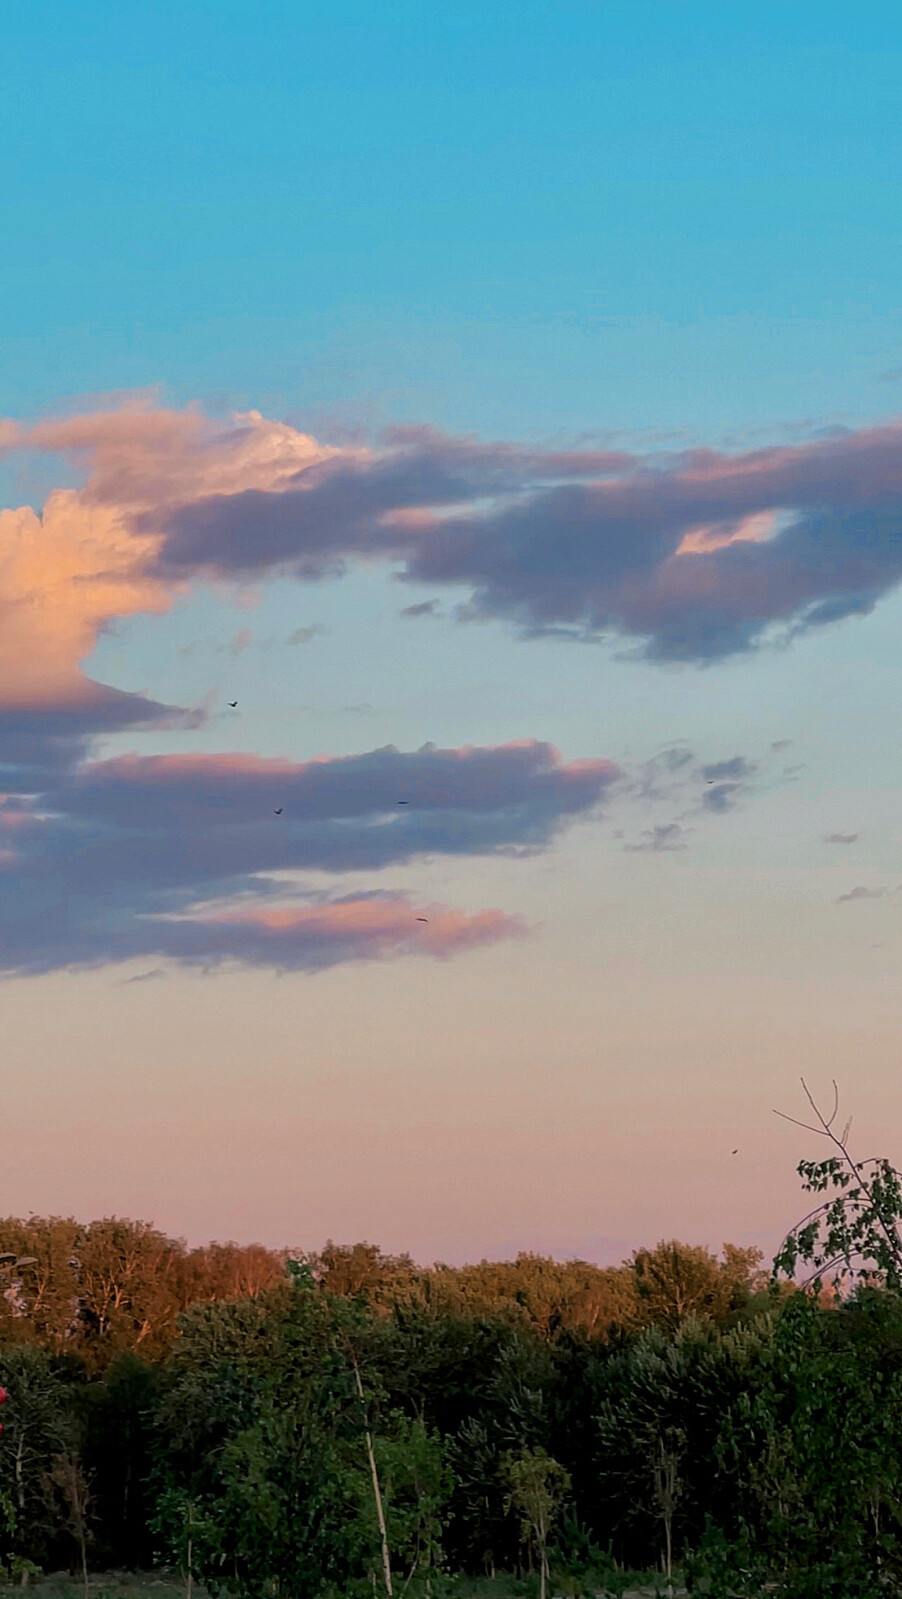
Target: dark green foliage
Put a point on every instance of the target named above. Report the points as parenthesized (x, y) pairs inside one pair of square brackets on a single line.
[(117, 1413), (761, 1445), (812, 1444), (41, 1422)]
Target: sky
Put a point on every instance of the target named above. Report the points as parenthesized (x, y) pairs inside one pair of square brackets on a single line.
[(450, 563)]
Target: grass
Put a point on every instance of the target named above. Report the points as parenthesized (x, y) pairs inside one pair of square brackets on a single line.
[(171, 1585), (111, 1585)]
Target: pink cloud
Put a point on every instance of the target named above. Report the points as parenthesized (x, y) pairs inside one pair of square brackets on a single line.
[(193, 857), (84, 562), (697, 554), (370, 928), (141, 457), (119, 858), (240, 641), (203, 858), (63, 576), (524, 787)]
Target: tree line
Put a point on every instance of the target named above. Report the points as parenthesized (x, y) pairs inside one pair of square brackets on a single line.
[(98, 1290), (274, 1424)]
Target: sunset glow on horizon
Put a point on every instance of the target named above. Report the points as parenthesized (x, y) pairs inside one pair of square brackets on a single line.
[(450, 619)]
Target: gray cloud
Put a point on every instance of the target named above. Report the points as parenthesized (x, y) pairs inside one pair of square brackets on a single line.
[(663, 838), (691, 555), (38, 745), (734, 770), (174, 856), (425, 608), (538, 541), (305, 635), (722, 797), (861, 893), (182, 857)]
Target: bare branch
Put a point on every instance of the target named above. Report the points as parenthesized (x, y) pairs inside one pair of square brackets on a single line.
[(796, 1123), (825, 1123)]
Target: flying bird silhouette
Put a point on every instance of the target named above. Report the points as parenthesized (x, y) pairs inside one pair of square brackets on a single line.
[(403, 802), (279, 811), (735, 1151), (233, 703), (422, 918)]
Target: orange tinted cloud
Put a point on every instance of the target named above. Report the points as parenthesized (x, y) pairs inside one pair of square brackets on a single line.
[(142, 457), (699, 553), (63, 575), (83, 562), (373, 926)]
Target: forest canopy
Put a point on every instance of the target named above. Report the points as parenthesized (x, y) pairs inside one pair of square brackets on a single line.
[(346, 1422)]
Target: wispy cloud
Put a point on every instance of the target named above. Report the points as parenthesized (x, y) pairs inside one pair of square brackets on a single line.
[(666, 836), (840, 838), (305, 635)]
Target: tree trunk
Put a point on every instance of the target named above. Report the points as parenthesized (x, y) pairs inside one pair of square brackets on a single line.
[(20, 1486), (84, 1565), (377, 1495)]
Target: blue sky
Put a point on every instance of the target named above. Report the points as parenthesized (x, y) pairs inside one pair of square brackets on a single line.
[(524, 218), (628, 229)]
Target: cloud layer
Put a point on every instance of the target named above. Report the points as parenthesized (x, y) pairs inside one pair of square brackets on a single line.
[(193, 857), (197, 858), (694, 556)]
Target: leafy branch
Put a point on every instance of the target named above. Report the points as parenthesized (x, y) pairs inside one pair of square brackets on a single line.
[(856, 1228)]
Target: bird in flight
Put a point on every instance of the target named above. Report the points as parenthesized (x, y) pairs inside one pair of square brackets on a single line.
[(279, 811), (403, 802), (735, 1151), (422, 918), (233, 703)]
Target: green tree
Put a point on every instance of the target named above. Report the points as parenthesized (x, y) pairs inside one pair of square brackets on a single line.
[(675, 1281), (810, 1447), (416, 1482), (39, 1423), (668, 1485), (69, 1494), (537, 1487), (855, 1232), (657, 1390), (117, 1410), (478, 1504)]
